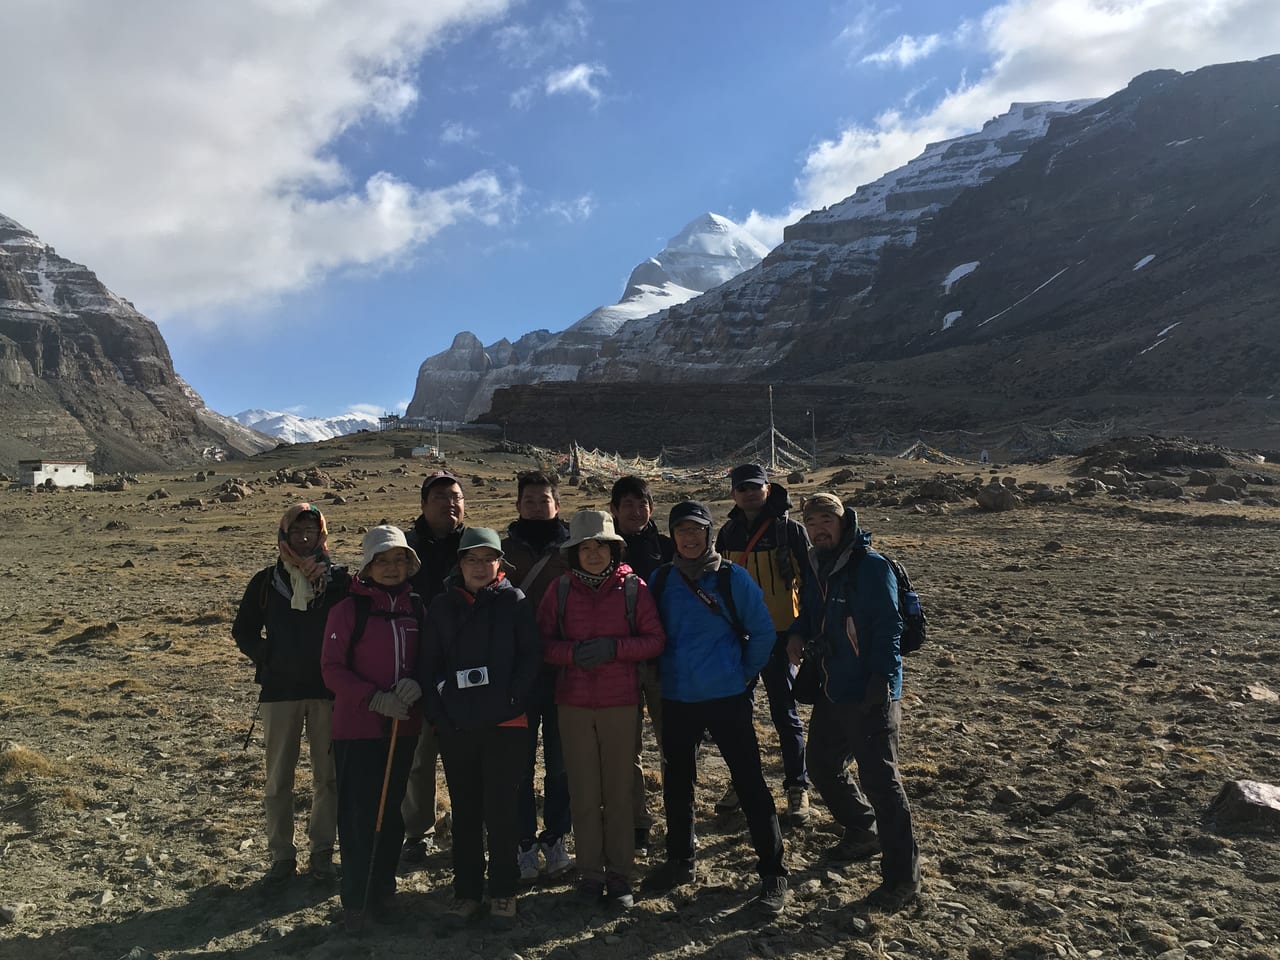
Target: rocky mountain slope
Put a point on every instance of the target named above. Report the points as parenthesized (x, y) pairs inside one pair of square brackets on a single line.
[(1118, 272), (458, 383), (84, 375)]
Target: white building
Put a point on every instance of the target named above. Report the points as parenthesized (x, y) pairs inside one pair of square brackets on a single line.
[(58, 473)]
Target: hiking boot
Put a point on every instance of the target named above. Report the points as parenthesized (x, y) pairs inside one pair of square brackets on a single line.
[(527, 857), (856, 844), (384, 908), (461, 911), (557, 857), (672, 873), (281, 872), (798, 809), (729, 802), (773, 895), (416, 850), (589, 891), (618, 889), (502, 910), (353, 922), (892, 896), (321, 866), (642, 841)]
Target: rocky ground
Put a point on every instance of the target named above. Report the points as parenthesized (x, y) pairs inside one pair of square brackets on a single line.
[(1102, 659)]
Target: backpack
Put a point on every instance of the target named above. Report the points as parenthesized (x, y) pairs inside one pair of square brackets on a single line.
[(724, 587), (630, 591), (914, 622)]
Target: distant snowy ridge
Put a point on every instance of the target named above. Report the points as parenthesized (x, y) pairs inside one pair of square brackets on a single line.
[(294, 429)]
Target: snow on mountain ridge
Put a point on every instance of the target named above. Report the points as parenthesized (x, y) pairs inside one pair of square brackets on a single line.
[(295, 429)]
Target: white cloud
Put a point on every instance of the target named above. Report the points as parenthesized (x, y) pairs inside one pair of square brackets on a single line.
[(529, 43), (454, 131), (573, 211), (580, 78), (905, 51), (186, 151), (1039, 50)]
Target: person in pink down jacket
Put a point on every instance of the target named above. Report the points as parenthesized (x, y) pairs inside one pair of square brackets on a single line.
[(598, 623), (370, 654)]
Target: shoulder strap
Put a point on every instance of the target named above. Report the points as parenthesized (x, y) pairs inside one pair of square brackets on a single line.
[(536, 569), (562, 595), (659, 581), (267, 574), (631, 590), (724, 580)]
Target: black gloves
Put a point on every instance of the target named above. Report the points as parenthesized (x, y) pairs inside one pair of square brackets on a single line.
[(594, 652)]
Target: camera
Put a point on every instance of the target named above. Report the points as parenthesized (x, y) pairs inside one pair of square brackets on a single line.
[(473, 677), (814, 649)]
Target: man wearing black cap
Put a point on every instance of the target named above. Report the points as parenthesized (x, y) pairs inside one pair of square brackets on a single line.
[(774, 549), (434, 536), (719, 634), (849, 620)]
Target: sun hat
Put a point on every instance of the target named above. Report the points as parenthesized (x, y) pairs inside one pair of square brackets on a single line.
[(382, 538), (590, 525)]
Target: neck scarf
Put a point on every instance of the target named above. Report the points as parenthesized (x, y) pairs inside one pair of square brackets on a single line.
[(593, 580), (693, 569), (308, 575)]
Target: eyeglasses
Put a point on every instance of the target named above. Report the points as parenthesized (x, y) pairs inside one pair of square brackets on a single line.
[(445, 497), (471, 561), (387, 560)]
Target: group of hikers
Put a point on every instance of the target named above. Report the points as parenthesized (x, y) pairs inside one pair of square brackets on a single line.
[(455, 645)]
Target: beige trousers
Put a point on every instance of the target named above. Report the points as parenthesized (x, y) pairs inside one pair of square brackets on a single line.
[(650, 697), (419, 805), (283, 723), (599, 756)]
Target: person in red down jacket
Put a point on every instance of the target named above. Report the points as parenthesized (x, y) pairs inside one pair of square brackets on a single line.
[(598, 622), (370, 654)]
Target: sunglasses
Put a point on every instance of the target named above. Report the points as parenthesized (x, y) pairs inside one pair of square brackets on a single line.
[(747, 487)]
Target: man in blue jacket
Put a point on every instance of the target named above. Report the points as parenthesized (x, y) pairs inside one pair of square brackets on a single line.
[(706, 666), (849, 622)]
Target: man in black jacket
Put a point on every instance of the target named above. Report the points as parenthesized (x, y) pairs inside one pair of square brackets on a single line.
[(631, 504), (434, 536), (291, 600)]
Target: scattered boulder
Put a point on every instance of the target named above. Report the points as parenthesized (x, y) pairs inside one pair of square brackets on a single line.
[(191, 502), (1165, 489), (1246, 806), (160, 493), (996, 498), (795, 477), (11, 912), (1200, 478), (1237, 481), (1221, 491), (842, 476)]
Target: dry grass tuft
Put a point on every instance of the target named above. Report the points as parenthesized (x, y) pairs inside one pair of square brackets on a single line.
[(18, 762)]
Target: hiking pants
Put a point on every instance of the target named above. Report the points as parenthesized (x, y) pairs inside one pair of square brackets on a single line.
[(362, 765), (728, 720), (841, 733), (777, 677), (482, 769), (283, 722), (598, 756), (419, 807), (651, 697), (556, 818)]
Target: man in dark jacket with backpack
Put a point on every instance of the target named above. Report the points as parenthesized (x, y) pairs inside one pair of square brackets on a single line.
[(434, 536), (289, 602), (774, 549), (850, 627)]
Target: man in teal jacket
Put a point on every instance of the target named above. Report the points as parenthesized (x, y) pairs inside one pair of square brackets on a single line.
[(849, 622), (706, 667)]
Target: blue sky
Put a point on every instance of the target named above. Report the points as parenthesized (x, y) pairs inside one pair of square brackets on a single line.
[(310, 196)]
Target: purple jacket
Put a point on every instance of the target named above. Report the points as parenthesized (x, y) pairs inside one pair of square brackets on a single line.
[(384, 653)]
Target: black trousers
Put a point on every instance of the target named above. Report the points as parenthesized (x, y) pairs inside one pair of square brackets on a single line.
[(728, 720), (483, 768), (843, 733), (362, 764)]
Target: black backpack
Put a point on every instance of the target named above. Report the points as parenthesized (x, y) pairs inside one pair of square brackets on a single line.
[(914, 622), (724, 586)]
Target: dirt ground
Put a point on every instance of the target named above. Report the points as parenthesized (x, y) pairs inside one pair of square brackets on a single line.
[(1096, 671)]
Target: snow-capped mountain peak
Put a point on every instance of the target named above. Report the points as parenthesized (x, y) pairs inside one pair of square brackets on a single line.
[(294, 429)]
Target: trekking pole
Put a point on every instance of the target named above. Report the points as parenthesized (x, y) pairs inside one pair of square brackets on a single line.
[(382, 804), (252, 723)]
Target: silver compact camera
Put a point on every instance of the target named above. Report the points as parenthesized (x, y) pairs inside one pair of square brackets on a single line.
[(473, 677)]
